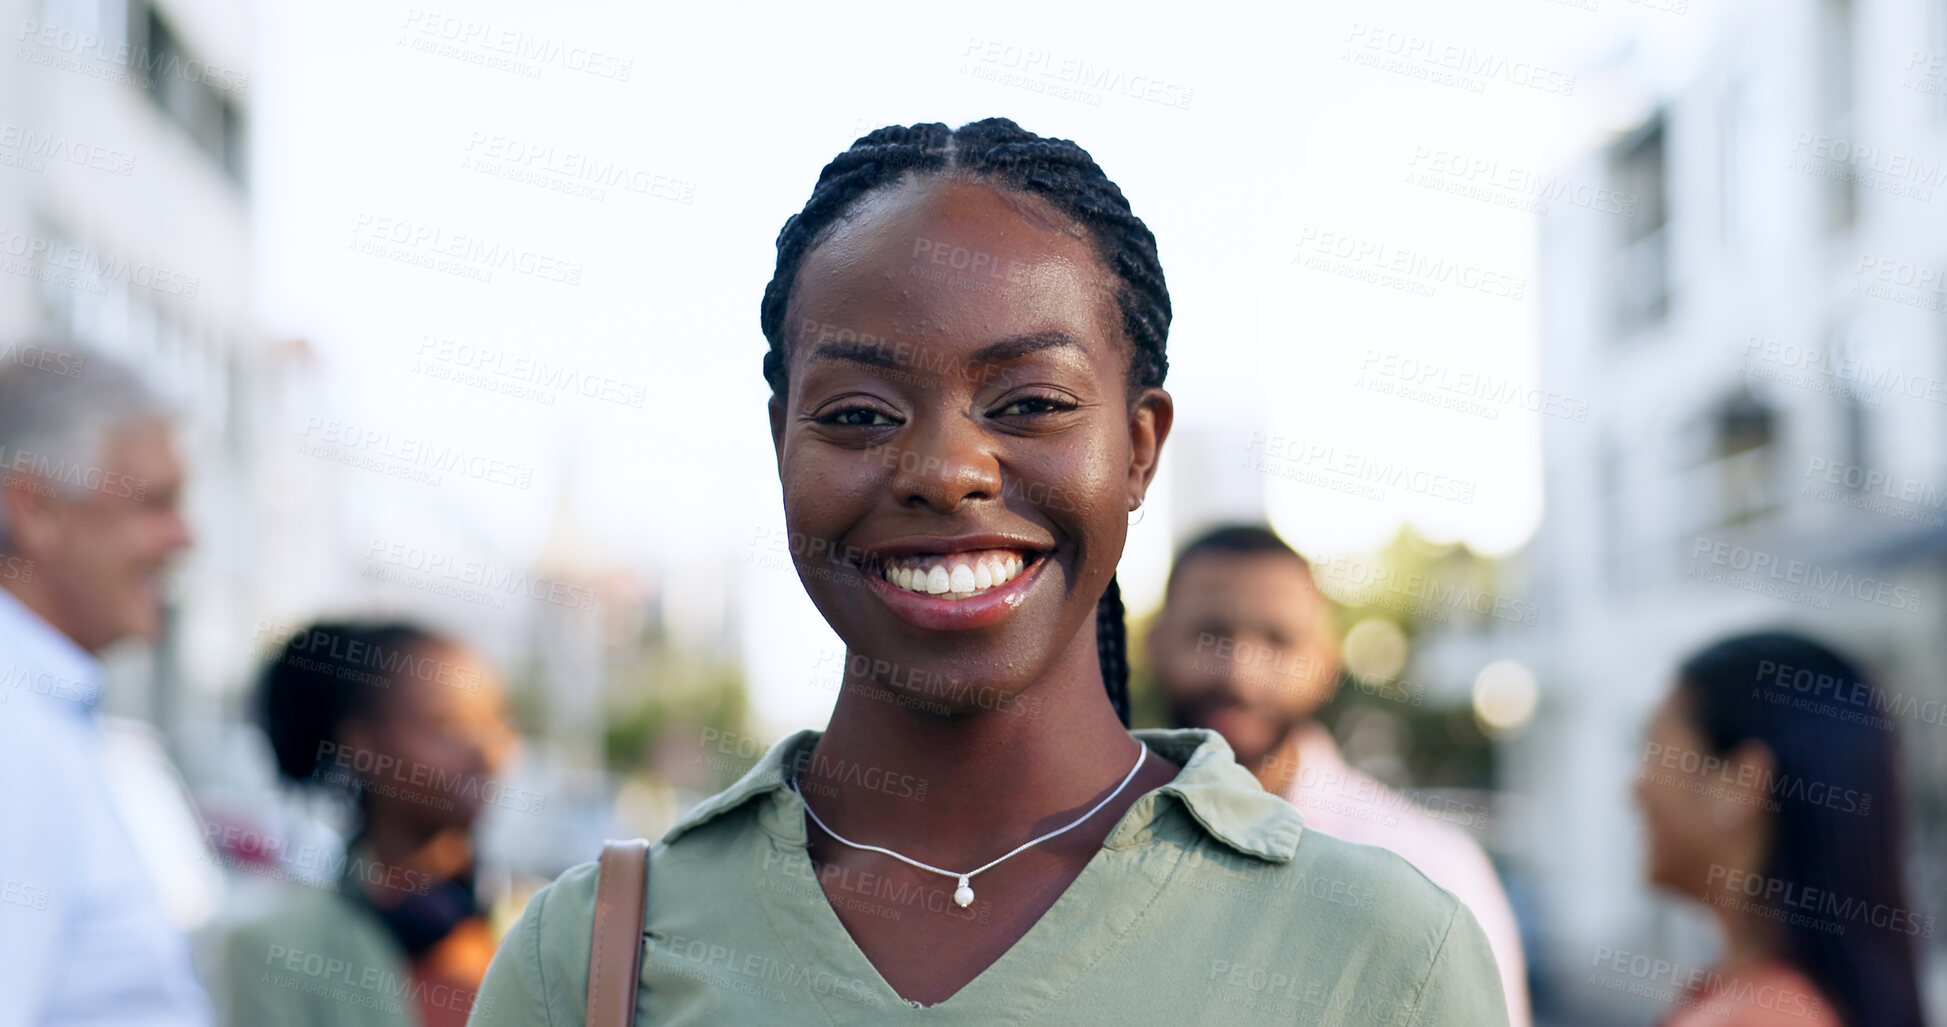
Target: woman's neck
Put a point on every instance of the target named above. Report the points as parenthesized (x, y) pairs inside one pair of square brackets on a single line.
[(945, 790), (439, 852), (1749, 941)]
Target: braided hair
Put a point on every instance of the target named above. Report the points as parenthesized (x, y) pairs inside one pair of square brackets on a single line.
[(998, 152)]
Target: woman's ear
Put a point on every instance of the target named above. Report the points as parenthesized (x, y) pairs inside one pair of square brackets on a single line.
[(356, 736), (1150, 417), (1751, 768), (776, 408)]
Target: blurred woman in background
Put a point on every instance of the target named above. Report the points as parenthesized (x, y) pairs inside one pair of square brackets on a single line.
[(412, 729), (1777, 805)]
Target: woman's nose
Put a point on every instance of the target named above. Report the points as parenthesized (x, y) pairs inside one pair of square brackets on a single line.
[(947, 462)]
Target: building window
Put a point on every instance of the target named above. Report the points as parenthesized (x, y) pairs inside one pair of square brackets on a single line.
[(188, 90), (1853, 353), (1835, 43), (1743, 429), (1737, 160), (1637, 168), (105, 20), (1609, 503)]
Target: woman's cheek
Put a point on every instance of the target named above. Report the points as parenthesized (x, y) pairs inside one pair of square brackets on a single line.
[(1072, 488)]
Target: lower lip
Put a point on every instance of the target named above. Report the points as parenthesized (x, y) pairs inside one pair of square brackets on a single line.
[(937, 614)]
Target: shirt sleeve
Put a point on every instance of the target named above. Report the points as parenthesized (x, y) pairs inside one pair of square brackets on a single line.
[(513, 991), (540, 974), (1471, 878), (1463, 984)]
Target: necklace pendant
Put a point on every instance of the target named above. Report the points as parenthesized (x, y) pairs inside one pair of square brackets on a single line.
[(963, 895)]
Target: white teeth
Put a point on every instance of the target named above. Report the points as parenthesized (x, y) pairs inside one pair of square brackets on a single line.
[(957, 576)]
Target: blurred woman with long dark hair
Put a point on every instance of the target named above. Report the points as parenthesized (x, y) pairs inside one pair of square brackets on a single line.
[(1771, 795)]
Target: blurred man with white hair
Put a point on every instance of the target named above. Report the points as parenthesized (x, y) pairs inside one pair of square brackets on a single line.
[(89, 487)]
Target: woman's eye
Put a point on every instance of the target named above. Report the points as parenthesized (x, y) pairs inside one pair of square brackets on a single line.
[(857, 417), (1036, 405)]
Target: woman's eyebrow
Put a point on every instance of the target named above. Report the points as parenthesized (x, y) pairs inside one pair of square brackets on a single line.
[(885, 354), (877, 354), (1022, 345)]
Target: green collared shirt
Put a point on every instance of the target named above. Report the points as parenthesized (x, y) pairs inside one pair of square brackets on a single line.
[(1209, 903)]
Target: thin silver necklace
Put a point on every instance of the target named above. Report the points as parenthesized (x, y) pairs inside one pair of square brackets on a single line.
[(963, 895)]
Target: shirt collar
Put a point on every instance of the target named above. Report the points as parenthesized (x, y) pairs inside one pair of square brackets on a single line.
[(1221, 796), (41, 661)]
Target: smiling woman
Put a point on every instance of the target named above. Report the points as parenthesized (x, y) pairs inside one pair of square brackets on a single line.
[(969, 519)]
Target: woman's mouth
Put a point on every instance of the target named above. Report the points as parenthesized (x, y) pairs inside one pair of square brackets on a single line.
[(954, 575), (958, 590)]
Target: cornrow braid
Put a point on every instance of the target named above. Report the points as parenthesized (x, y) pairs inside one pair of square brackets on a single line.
[(1002, 153), (1112, 649), (999, 152)]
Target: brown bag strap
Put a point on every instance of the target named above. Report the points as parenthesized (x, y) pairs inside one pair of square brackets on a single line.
[(615, 948)]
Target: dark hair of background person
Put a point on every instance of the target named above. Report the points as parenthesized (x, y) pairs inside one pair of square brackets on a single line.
[(1869, 971), (324, 675), (1235, 540), (996, 151)]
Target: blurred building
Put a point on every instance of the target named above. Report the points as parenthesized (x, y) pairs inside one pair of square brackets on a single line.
[(125, 223), (1750, 302)]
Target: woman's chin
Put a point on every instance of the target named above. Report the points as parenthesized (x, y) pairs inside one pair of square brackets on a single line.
[(941, 689)]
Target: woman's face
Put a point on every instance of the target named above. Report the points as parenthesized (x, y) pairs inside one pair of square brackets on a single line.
[(444, 724), (958, 447), (1679, 798)]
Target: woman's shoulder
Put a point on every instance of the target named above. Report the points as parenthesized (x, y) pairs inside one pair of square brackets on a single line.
[(1773, 994), (295, 962), (567, 900), (695, 844), (1383, 882), (1256, 851), (539, 973), (1354, 928), (304, 914)]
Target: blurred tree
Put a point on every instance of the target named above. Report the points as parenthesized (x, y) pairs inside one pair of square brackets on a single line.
[(663, 693), (1423, 589)]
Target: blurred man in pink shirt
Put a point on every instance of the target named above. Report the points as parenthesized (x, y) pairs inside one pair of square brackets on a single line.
[(1245, 646)]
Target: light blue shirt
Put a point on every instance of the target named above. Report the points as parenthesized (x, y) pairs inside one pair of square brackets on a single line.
[(84, 940)]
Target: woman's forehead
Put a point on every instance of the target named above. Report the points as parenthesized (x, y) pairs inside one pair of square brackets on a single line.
[(443, 677), (935, 258)]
